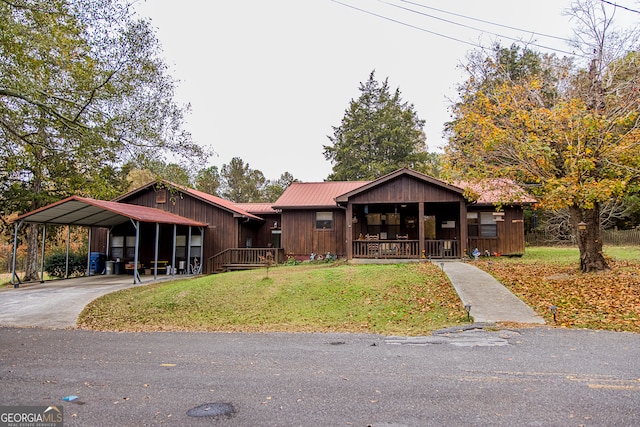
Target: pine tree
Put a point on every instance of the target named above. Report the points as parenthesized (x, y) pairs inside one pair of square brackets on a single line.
[(379, 133)]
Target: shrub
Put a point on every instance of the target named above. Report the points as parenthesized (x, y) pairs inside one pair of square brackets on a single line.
[(54, 264)]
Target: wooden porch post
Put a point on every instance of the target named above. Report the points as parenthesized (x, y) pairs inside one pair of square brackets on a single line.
[(349, 231), (421, 246), (464, 229)]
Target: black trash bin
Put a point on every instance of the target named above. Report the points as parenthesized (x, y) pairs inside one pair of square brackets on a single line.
[(118, 267)]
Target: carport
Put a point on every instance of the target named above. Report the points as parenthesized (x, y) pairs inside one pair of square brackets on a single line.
[(87, 212)]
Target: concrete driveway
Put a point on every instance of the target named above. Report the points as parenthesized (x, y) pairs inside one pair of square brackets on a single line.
[(55, 304)]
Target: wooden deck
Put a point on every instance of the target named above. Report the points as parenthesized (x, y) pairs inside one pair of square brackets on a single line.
[(244, 259)]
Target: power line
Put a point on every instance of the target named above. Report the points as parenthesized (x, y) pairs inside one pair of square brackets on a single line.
[(484, 21), (620, 6), (407, 25), (479, 29), (476, 45)]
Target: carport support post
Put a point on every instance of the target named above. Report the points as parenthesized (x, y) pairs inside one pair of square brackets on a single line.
[(15, 280), (173, 253), (201, 250), (136, 274), (66, 262), (89, 253), (155, 270), (189, 269), (44, 235)]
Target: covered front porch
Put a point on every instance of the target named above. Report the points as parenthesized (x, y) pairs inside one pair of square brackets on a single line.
[(407, 231)]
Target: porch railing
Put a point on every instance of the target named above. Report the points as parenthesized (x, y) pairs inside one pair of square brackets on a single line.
[(244, 258), (386, 249), (406, 249), (442, 248)]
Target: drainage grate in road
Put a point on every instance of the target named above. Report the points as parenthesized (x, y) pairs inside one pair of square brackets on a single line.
[(212, 410)]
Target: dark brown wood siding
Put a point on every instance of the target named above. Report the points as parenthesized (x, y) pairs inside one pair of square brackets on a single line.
[(300, 237), (221, 233), (510, 239), (259, 232), (406, 189)]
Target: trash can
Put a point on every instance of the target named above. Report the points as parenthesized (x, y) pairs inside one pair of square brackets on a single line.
[(110, 267), (96, 263)]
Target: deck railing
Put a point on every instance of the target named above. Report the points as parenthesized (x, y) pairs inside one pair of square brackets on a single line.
[(239, 258), (405, 249)]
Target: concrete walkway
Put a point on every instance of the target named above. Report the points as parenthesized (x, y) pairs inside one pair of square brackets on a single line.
[(490, 301)]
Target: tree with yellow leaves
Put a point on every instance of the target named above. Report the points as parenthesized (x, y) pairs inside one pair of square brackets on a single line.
[(571, 134)]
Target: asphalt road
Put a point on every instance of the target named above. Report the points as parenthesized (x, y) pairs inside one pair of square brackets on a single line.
[(527, 377)]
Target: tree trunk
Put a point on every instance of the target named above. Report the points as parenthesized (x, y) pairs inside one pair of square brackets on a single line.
[(32, 268), (586, 223)]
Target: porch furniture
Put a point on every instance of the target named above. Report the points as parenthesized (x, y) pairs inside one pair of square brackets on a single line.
[(372, 248), (129, 268)]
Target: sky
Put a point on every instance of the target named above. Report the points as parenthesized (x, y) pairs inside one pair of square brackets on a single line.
[(268, 80)]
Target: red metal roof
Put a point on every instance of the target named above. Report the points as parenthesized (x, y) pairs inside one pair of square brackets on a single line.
[(257, 208), (315, 194), (219, 201), (497, 191), (206, 197), (84, 211)]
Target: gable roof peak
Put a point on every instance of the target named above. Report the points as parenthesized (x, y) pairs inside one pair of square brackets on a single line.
[(201, 195)]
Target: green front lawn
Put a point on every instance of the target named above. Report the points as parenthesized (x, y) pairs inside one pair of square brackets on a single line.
[(406, 299)]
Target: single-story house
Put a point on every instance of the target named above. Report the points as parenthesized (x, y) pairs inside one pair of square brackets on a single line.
[(405, 214)]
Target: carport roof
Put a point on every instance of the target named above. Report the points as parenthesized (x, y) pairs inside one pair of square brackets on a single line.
[(84, 211)]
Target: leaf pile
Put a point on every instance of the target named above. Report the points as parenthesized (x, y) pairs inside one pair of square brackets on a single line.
[(608, 300)]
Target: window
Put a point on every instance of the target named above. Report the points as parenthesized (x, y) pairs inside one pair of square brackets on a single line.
[(161, 196), (130, 247), (324, 220), (117, 247), (482, 224)]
